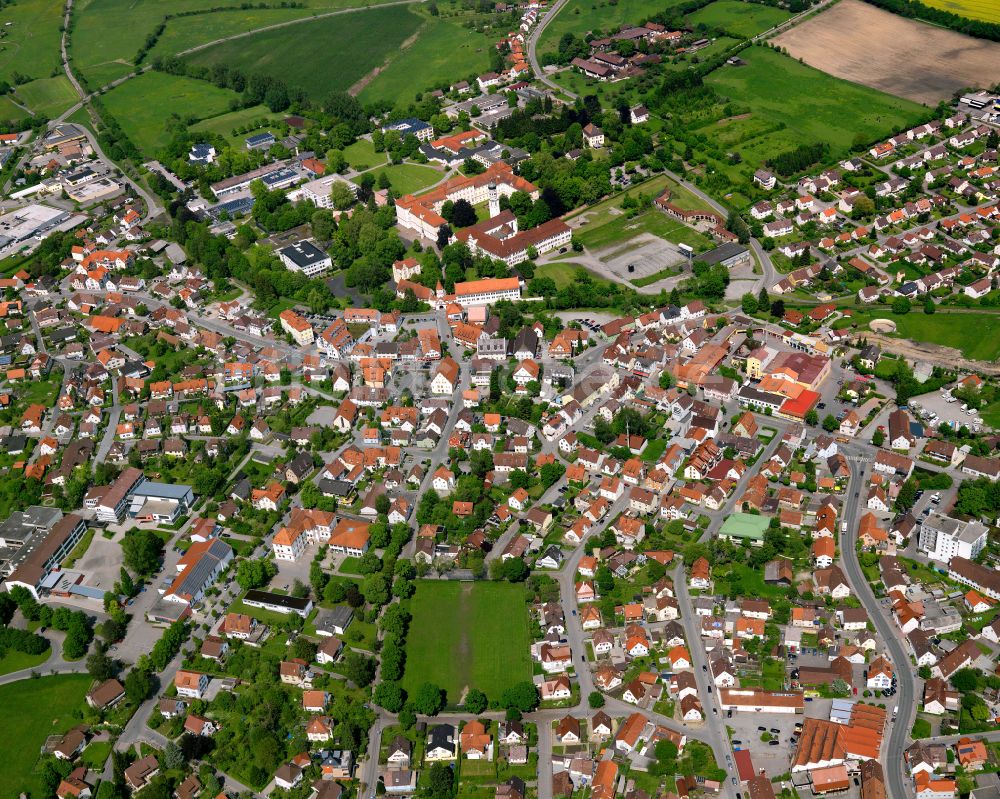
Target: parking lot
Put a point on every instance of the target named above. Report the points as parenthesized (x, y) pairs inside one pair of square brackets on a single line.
[(644, 256), (934, 410)]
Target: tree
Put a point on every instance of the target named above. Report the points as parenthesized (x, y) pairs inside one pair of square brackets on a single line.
[(463, 214), (443, 236), (440, 782), (475, 701), (138, 686), (522, 696), (389, 695), (840, 687), (929, 306), (255, 573), (812, 417), (595, 699), (749, 304), (142, 550), (878, 438), (341, 196), (173, 757), (428, 699), (382, 504), (830, 423), (966, 680), (778, 309), (763, 301), (359, 669), (900, 306), (604, 578), (100, 666)]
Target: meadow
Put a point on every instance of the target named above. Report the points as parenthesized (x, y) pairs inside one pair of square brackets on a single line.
[(225, 124), (143, 106), (467, 635), (408, 178), (49, 96), (975, 335), (742, 19), (103, 58), (30, 44), (36, 709), (622, 228), (363, 41), (444, 52)]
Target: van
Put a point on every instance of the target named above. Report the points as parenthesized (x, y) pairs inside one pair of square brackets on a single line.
[(843, 527)]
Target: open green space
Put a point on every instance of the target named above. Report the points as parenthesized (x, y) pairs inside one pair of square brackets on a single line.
[(740, 579), (16, 661), (9, 110), (742, 19), (975, 334), (466, 635), (102, 57), (30, 39), (563, 273), (143, 106), (621, 228), (225, 124), (443, 53), (408, 178), (330, 55), (35, 709), (49, 96), (362, 155), (783, 104)]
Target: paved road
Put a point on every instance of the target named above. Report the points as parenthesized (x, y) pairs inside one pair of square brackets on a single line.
[(56, 663), (887, 630), (533, 45)]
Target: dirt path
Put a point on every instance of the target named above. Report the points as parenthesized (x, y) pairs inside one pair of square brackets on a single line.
[(358, 86), (935, 354)]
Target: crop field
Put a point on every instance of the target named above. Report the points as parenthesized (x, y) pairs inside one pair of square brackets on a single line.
[(143, 105), (581, 16), (743, 19), (442, 53), (791, 104), (30, 45), (467, 635), (102, 58), (313, 62), (987, 10), (858, 42), (49, 96), (36, 709), (408, 178)]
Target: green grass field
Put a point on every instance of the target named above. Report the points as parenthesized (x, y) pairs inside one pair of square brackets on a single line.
[(975, 335), (142, 106), (225, 124), (102, 57), (408, 178), (743, 19), (444, 53), (30, 45), (791, 104), (49, 96), (362, 155), (987, 10), (35, 709), (306, 59), (563, 273), (8, 110), (622, 228), (15, 661), (466, 635)]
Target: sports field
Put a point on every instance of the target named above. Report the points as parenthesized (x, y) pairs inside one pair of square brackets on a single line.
[(988, 10), (408, 178), (443, 52), (143, 105), (467, 635), (331, 55), (859, 42), (743, 19), (35, 709), (790, 104)]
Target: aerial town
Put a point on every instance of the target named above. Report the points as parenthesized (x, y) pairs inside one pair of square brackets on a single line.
[(557, 417)]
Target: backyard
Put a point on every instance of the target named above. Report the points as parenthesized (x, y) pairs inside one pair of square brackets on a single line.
[(467, 635)]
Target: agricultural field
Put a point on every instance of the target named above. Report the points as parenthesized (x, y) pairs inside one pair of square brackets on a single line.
[(742, 19), (364, 40), (443, 52), (49, 96), (102, 58), (37, 709), (30, 45), (143, 106), (986, 10), (408, 178), (467, 635), (582, 16), (858, 42), (788, 104)]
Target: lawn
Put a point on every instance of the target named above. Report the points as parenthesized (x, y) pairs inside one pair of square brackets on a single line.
[(741, 580), (35, 709), (466, 635), (742, 19), (976, 334), (143, 106), (987, 10), (563, 273), (225, 124), (31, 44), (48, 96), (791, 104), (15, 661), (408, 178), (330, 55), (621, 228), (361, 155), (443, 53)]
